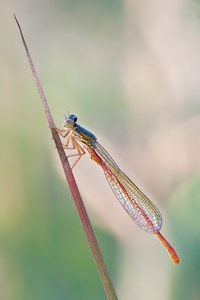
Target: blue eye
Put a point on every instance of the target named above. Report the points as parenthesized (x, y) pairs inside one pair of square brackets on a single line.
[(72, 118)]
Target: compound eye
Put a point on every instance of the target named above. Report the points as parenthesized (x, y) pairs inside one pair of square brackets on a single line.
[(73, 118)]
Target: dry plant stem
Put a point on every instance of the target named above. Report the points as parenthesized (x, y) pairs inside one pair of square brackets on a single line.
[(105, 278)]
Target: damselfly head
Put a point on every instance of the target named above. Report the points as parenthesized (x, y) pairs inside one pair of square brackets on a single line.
[(69, 121)]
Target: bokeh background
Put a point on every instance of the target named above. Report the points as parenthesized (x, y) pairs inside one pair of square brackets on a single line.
[(130, 70)]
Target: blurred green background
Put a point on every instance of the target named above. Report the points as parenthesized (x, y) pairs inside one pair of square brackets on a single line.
[(130, 70)]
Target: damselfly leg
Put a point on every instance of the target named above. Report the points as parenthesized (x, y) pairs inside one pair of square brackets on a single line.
[(71, 144)]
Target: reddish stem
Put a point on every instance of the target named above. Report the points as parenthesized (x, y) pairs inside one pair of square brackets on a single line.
[(103, 272)]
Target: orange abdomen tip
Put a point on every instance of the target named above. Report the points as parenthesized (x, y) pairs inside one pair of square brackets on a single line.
[(173, 255)]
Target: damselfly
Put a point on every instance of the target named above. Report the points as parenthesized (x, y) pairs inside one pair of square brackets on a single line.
[(139, 208)]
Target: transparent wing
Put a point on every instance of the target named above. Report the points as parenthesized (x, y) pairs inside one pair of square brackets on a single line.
[(141, 210)]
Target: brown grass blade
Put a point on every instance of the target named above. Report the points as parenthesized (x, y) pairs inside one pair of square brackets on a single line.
[(103, 272)]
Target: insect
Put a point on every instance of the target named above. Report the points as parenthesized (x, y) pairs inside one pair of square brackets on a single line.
[(139, 208)]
